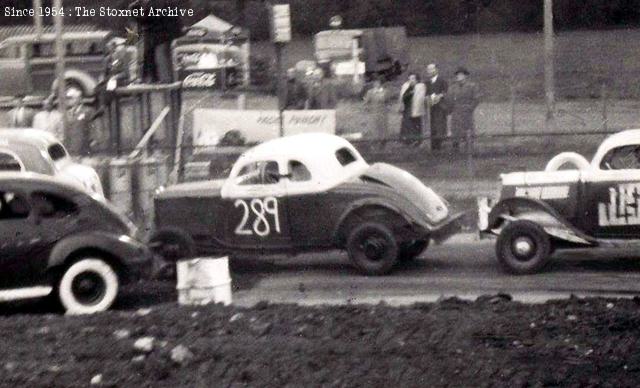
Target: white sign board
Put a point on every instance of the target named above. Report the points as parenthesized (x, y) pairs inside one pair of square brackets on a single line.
[(280, 23), (210, 125)]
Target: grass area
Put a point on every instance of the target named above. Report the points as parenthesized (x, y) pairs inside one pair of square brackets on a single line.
[(584, 60)]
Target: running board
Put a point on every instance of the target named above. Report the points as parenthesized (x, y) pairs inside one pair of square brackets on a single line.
[(618, 243), (24, 293)]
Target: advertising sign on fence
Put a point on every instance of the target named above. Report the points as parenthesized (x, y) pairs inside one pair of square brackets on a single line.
[(210, 125)]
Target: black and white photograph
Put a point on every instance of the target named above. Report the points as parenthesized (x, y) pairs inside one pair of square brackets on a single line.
[(320, 193)]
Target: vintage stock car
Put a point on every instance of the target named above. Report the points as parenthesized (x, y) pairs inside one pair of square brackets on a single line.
[(302, 193), (61, 242), (39, 151), (595, 204)]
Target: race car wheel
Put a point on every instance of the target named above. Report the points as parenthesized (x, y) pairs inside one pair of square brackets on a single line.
[(172, 245), (88, 286), (372, 248), (411, 249), (523, 247)]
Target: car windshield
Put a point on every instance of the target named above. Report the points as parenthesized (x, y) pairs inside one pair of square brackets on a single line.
[(622, 158), (258, 173)]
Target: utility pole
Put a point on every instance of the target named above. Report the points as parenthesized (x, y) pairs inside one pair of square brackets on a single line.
[(37, 17), (60, 54), (549, 76)]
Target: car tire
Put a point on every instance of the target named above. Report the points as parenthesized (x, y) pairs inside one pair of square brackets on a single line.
[(411, 249), (88, 286), (523, 247), (372, 248), (172, 245)]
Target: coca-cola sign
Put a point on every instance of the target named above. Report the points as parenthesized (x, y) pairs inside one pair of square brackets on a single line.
[(199, 79)]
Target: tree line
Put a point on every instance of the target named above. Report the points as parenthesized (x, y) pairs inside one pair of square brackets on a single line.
[(421, 17)]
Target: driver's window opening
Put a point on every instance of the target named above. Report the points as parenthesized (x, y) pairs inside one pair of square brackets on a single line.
[(259, 173), (622, 158), (9, 162), (13, 205), (299, 172)]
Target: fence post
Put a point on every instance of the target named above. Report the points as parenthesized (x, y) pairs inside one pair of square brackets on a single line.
[(603, 96), (513, 106)]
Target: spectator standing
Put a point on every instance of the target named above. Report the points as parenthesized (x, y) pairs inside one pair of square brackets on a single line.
[(437, 91), (376, 103), (49, 119), (80, 135), (412, 107), (322, 92), (21, 116), (296, 94), (465, 97), (157, 33)]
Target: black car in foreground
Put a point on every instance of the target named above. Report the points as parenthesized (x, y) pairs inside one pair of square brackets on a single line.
[(59, 241)]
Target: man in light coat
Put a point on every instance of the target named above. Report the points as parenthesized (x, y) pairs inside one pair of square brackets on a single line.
[(412, 107)]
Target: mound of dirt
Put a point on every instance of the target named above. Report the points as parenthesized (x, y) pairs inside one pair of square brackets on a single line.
[(489, 342)]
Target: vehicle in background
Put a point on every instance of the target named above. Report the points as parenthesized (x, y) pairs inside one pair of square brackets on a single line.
[(33, 150), (593, 204), (28, 62), (300, 193), (58, 241), (364, 52)]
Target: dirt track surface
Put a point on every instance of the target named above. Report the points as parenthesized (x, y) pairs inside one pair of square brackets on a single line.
[(490, 342)]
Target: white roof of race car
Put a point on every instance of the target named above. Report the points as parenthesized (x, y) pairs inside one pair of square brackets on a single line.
[(317, 151), (628, 137)]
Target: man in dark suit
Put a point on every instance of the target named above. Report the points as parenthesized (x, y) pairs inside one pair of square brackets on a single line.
[(436, 93)]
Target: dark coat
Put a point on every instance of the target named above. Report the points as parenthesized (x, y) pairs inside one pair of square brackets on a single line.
[(465, 98), (439, 111)]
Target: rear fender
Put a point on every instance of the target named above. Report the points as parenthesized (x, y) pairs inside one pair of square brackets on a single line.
[(541, 213)]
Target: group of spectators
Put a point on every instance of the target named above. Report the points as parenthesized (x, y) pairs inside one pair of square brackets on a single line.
[(449, 109), (318, 93)]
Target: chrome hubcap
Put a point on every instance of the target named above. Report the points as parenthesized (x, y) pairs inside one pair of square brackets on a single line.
[(523, 246)]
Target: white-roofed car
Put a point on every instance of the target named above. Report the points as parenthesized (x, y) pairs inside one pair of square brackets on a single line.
[(25, 149), (591, 204), (302, 193)]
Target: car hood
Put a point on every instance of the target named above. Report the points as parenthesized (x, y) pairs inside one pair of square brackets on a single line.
[(410, 187), (209, 188)]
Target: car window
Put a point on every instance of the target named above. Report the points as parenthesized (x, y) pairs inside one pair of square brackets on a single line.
[(345, 156), (49, 205), (259, 173), (43, 50), (9, 51), (13, 205), (9, 162), (299, 172), (57, 151), (622, 158)]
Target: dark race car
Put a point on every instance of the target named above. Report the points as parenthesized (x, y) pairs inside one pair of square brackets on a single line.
[(57, 240), (303, 193), (594, 204)]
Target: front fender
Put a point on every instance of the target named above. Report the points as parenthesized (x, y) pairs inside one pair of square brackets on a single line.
[(126, 250), (520, 208)]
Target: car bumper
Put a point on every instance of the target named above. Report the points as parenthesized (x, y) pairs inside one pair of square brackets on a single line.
[(447, 228), (137, 260)]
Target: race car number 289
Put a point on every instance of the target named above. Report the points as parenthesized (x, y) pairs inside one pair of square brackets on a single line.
[(259, 216)]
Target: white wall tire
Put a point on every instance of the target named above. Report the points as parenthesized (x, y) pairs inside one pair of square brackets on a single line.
[(88, 286)]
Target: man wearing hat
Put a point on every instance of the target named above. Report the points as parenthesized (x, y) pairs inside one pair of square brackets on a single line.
[(438, 106), (465, 97), (80, 134)]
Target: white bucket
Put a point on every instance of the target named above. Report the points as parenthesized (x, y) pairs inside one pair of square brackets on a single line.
[(204, 280)]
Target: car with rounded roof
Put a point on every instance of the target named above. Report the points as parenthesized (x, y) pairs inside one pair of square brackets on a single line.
[(59, 241), (26, 149), (301, 193), (590, 204)]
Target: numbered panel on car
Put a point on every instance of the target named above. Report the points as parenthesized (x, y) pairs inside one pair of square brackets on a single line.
[(256, 215)]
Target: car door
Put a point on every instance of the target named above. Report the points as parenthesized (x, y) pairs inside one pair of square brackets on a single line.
[(611, 192), (255, 208), (14, 77), (311, 212), (19, 239)]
